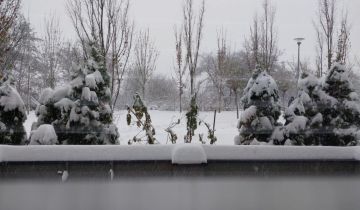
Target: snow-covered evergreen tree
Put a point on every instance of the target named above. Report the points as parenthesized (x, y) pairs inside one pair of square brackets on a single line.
[(54, 109), (341, 120), (303, 117), (80, 112), (261, 109), (324, 113), (12, 114)]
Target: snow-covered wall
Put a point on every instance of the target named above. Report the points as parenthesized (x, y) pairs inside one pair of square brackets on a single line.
[(177, 154)]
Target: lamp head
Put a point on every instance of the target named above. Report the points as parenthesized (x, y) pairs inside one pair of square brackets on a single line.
[(299, 40)]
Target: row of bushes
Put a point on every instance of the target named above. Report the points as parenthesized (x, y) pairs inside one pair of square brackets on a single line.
[(326, 111)]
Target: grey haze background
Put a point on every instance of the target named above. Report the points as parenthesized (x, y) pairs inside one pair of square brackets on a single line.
[(294, 19)]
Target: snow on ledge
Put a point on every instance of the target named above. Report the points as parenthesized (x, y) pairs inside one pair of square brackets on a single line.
[(188, 154), (177, 154), (84, 153)]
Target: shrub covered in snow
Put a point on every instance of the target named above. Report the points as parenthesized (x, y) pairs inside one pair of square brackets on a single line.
[(261, 109), (44, 135), (80, 112), (12, 114)]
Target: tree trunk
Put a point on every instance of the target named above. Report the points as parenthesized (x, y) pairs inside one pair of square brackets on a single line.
[(112, 77), (52, 78), (237, 104), (28, 91), (219, 102), (143, 92), (329, 58), (192, 84), (180, 101)]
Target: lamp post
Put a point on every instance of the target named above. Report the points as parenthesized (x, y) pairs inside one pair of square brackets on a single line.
[(298, 41)]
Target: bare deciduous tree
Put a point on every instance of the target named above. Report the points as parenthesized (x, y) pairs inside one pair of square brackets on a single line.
[(343, 45), (121, 48), (268, 43), (252, 45), (262, 46), (193, 24), (180, 67), (326, 26), (106, 22), (9, 12), (70, 53), (22, 59), (238, 75), (319, 52), (192, 35), (51, 45), (218, 68), (145, 59)]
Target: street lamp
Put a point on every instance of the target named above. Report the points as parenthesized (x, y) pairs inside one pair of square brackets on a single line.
[(298, 41)]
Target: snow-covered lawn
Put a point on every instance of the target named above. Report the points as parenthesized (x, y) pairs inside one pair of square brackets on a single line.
[(225, 126)]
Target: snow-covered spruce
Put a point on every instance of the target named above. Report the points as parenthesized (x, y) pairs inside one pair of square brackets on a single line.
[(324, 113), (303, 117), (341, 119), (261, 109), (12, 114), (80, 112)]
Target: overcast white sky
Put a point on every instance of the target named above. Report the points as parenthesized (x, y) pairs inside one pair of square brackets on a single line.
[(294, 19)]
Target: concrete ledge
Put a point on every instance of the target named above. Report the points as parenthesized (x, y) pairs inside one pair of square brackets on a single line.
[(112, 162), (178, 154), (165, 169)]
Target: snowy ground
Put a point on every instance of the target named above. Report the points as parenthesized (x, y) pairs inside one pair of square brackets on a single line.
[(225, 126), (31, 118)]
